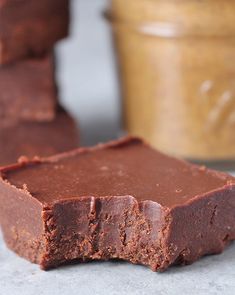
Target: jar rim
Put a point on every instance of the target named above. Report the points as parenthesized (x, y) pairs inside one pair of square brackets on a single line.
[(168, 29)]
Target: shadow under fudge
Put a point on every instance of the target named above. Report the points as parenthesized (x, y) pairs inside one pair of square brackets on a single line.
[(118, 200)]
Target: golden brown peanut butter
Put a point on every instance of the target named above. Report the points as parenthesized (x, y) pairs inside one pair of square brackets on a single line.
[(177, 68)]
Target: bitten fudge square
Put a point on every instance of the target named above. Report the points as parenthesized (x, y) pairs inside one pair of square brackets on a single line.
[(28, 91), (31, 28), (117, 200)]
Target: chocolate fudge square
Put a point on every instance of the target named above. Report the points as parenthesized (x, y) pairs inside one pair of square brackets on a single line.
[(118, 200), (38, 139), (28, 91), (31, 28)]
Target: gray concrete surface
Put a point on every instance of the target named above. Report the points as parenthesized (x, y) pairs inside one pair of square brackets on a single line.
[(212, 275)]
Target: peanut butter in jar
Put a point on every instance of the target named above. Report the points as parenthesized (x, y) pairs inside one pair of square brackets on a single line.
[(177, 72)]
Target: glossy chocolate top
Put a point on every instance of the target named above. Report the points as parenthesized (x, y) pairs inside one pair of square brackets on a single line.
[(121, 168)]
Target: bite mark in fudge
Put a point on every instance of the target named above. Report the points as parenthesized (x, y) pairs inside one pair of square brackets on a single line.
[(38, 139), (118, 200), (31, 28), (28, 91)]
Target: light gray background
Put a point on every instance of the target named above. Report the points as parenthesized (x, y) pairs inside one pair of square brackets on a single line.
[(87, 73), (89, 90)]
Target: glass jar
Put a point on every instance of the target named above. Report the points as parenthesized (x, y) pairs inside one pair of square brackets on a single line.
[(177, 70)]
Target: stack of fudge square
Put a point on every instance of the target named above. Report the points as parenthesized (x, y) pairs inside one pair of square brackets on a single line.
[(32, 122)]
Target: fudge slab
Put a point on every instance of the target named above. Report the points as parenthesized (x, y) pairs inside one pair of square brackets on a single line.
[(118, 200), (28, 91), (38, 139), (31, 28)]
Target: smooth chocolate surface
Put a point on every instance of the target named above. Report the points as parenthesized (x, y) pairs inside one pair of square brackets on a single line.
[(28, 91), (119, 200), (31, 28), (37, 139), (131, 169)]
